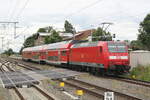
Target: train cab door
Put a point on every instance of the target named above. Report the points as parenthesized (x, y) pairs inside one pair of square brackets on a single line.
[(101, 53)]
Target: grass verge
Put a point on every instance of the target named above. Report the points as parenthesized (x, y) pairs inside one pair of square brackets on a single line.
[(141, 73)]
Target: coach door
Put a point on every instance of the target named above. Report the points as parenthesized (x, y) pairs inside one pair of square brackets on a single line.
[(59, 55), (42, 55), (64, 56)]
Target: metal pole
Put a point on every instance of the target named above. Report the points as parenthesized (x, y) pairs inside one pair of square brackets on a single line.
[(7, 44), (2, 42), (91, 35), (7, 22), (14, 30), (24, 38), (14, 26)]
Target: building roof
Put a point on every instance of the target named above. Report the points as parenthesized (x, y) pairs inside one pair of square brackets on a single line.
[(69, 36), (66, 35), (82, 34), (43, 34)]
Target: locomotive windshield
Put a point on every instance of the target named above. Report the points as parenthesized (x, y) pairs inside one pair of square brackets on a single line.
[(117, 47)]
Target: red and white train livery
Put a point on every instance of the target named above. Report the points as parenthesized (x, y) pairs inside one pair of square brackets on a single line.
[(108, 57)]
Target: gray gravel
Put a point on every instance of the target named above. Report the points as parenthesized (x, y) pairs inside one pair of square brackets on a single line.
[(4, 94), (127, 88), (53, 87), (123, 87)]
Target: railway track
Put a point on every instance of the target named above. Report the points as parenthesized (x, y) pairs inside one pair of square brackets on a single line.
[(22, 64), (92, 89), (119, 78), (128, 80), (20, 95), (134, 81), (97, 90), (15, 88)]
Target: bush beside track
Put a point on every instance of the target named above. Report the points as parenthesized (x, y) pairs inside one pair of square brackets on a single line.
[(140, 73)]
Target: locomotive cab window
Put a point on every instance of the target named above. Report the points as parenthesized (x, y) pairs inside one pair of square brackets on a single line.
[(63, 53), (117, 47)]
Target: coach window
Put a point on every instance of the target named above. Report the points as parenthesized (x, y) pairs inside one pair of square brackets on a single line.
[(101, 50), (29, 53), (42, 53), (63, 53)]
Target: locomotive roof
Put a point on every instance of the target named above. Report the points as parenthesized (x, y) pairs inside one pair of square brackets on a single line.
[(92, 44), (57, 45), (86, 44), (65, 44)]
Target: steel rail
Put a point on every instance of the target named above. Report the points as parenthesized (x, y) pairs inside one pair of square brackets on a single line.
[(119, 78), (128, 80), (96, 90), (34, 86), (22, 64), (15, 89), (133, 81)]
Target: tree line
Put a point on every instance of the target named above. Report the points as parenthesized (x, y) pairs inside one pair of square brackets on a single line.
[(142, 42), (54, 37)]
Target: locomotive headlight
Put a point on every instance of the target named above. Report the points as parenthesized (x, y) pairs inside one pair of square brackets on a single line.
[(112, 57), (118, 57), (124, 57)]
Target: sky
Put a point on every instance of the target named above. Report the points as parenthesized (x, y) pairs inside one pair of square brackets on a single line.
[(125, 15)]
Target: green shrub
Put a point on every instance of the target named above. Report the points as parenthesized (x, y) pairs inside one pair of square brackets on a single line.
[(141, 73)]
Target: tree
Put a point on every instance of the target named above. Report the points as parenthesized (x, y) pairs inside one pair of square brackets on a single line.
[(9, 52), (45, 29), (29, 42), (136, 45), (144, 30), (42, 30), (68, 27), (20, 51), (49, 29), (53, 38), (101, 35)]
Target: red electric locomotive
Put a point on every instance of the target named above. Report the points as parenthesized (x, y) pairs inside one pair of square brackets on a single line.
[(107, 57), (104, 57)]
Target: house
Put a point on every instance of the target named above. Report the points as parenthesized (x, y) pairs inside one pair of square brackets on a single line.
[(41, 38), (66, 36), (82, 35)]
